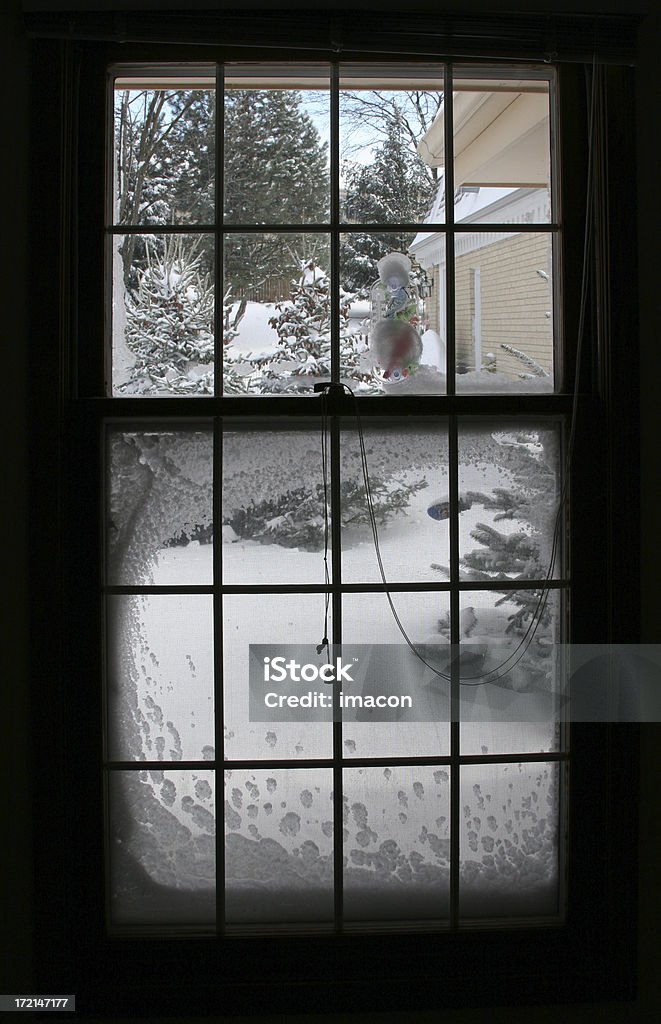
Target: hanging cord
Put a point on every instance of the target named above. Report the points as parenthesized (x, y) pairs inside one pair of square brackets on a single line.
[(324, 472), (515, 657)]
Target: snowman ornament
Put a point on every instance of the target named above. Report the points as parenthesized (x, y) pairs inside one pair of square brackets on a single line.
[(395, 344)]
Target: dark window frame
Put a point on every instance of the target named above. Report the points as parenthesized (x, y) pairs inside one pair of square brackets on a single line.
[(591, 956)]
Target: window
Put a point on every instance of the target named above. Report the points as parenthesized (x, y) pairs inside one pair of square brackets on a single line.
[(344, 263), (160, 451)]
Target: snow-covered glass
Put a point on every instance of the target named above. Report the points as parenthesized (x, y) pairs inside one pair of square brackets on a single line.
[(510, 671), (160, 676), (162, 848), (159, 515), (163, 301), (368, 619), (509, 865), (268, 619), (502, 148), (276, 313), (397, 843), (276, 154), (279, 845), (504, 312), (164, 150), (510, 488), (392, 312), (408, 475), (273, 505), (385, 113)]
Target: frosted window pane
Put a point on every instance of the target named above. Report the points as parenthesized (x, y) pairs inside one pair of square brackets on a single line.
[(159, 507), (267, 619), (276, 313), (495, 624), (273, 506), (162, 847), (163, 315), (502, 150), (509, 840), (160, 676), (510, 486), (367, 618), (279, 845), (164, 160), (408, 474), (504, 312), (397, 843)]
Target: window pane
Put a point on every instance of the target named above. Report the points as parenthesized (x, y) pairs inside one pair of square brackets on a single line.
[(408, 474), (504, 312), (502, 153), (268, 619), (160, 677), (509, 840), (162, 847), (510, 488), (503, 325), (384, 115), (162, 315), (276, 313), (392, 328), (159, 507), (276, 146), (273, 507), (397, 843), (368, 618), (513, 667), (164, 154), (279, 845)]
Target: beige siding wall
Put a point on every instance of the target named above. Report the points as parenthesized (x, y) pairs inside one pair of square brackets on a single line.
[(515, 301)]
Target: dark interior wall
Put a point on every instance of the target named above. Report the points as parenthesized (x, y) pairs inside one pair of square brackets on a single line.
[(18, 829)]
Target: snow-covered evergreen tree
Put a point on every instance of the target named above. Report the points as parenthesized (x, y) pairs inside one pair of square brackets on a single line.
[(394, 188), (303, 326), (275, 172)]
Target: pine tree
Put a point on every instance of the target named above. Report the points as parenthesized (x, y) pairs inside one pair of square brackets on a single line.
[(394, 188), (275, 172), (303, 325)]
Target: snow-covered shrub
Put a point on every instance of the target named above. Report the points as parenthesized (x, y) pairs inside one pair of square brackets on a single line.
[(296, 519)]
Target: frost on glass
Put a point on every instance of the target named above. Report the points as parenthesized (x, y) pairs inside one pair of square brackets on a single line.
[(159, 507), (278, 845), (396, 843), (163, 298), (514, 666), (408, 477), (161, 847), (276, 313), (268, 619), (392, 327), (164, 154), (504, 312), (368, 619), (509, 847), (510, 488), (160, 676), (273, 507)]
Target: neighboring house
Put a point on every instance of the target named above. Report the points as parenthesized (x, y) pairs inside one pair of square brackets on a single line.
[(502, 177)]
